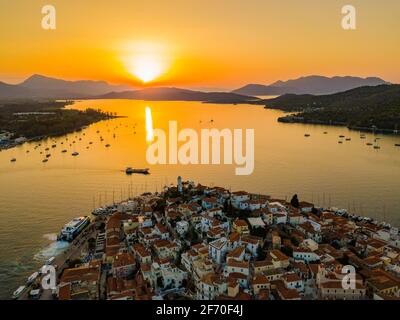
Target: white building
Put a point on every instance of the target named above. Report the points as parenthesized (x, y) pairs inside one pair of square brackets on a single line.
[(217, 250)]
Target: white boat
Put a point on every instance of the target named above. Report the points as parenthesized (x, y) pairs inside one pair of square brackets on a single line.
[(35, 294), (100, 211), (32, 278), (18, 292), (73, 228), (50, 261)]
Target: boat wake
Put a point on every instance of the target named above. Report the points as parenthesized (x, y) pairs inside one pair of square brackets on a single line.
[(52, 250), (50, 236)]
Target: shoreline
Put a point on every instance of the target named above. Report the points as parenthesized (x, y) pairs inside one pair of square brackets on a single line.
[(294, 119), (10, 142)]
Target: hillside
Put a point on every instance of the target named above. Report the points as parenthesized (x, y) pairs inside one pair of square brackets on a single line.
[(362, 107)]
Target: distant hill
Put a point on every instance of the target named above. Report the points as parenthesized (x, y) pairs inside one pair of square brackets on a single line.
[(9, 91), (38, 86), (176, 94), (309, 85), (361, 107), (41, 87)]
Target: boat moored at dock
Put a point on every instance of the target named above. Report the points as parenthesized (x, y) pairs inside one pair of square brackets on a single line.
[(73, 228)]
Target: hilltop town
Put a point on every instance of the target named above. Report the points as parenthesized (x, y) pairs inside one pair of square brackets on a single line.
[(201, 242)]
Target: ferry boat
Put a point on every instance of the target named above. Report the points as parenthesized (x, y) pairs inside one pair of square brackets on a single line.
[(130, 170), (73, 228)]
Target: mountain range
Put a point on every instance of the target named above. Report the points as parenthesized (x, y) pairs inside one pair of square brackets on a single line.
[(38, 86), (316, 85), (42, 87)]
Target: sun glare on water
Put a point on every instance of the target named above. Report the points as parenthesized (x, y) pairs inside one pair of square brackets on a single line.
[(149, 125)]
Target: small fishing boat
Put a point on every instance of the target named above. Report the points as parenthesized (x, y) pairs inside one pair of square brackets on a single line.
[(348, 139), (325, 132), (307, 135), (341, 136), (377, 147), (75, 154), (369, 144), (130, 170), (397, 144), (48, 155), (13, 160), (340, 141), (45, 160), (64, 151), (107, 145)]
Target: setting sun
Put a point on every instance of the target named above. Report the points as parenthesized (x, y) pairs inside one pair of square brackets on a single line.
[(147, 61), (146, 68)]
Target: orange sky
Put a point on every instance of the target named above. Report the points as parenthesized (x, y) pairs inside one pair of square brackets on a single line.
[(215, 44)]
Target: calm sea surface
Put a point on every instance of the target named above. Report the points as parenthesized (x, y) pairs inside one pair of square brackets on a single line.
[(37, 198)]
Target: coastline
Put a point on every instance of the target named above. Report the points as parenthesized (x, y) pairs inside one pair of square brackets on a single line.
[(35, 109), (297, 119)]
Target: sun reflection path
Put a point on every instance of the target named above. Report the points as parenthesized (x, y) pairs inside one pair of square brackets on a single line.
[(149, 125)]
